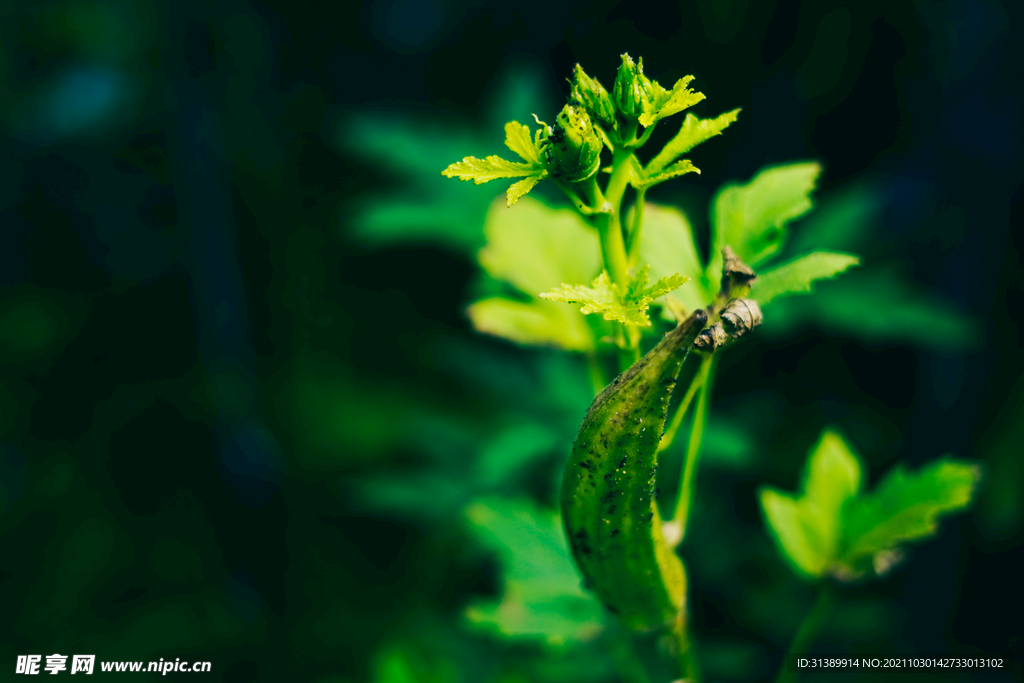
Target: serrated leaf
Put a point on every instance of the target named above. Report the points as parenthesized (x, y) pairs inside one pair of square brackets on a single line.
[(906, 507), (534, 323), (797, 276), (808, 529), (490, 168), (516, 190), (519, 140), (832, 529), (693, 132), (661, 104), (599, 297), (751, 218), (627, 304), (667, 245), (542, 598), (677, 169)]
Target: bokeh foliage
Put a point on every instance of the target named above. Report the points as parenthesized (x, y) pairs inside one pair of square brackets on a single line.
[(243, 416)]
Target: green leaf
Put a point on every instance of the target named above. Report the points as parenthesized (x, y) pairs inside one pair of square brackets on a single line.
[(517, 190), (751, 218), (518, 139), (905, 507), (796, 276), (677, 169), (693, 132), (534, 323), (667, 245), (808, 529), (542, 598), (627, 304), (490, 168), (832, 529), (660, 103), (534, 248)]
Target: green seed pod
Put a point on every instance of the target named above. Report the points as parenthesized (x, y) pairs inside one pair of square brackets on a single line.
[(574, 151), (608, 492), (630, 89), (589, 93)]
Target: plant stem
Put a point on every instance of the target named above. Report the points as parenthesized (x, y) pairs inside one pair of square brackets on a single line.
[(670, 434), (807, 632), (613, 249), (688, 668), (693, 448), (633, 241)]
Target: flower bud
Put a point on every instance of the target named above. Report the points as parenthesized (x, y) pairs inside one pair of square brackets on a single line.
[(591, 95), (574, 151), (630, 89)]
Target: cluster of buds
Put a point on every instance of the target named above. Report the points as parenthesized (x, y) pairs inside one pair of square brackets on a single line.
[(574, 149)]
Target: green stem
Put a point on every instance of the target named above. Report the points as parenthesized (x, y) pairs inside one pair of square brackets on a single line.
[(595, 199), (640, 141), (693, 448), (670, 434), (807, 632), (688, 668), (633, 243)]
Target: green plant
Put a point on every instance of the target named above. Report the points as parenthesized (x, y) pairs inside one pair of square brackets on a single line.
[(610, 512)]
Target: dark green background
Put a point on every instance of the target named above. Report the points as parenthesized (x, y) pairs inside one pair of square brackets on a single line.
[(205, 366)]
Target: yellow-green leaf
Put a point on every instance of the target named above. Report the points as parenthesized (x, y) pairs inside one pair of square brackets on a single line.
[(519, 140), (490, 168), (516, 190), (661, 104), (693, 132), (751, 218), (534, 323), (808, 529)]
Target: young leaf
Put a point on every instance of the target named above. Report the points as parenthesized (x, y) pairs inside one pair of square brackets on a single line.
[(660, 103), (905, 507), (542, 597), (516, 190), (796, 276), (679, 168), (808, 529), (751, 218), (693, 132), (627, 304), (517, 139)]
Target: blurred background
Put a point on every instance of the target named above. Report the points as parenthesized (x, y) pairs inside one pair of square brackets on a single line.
[(244, 419)]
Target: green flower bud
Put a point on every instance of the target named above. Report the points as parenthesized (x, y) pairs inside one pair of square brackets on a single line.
[(630, 89), (574, 151), (589, 93)]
